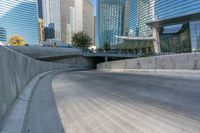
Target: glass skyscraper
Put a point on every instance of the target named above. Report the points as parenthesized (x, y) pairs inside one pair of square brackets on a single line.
[(173, 8), (20, 17), (123, 18), (171, 26), (2, 35), (180, 28), (110, 20)]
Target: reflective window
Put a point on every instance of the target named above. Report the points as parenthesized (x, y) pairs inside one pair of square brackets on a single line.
[(175, 39), (19, 17), (172, 8), (195, 35)]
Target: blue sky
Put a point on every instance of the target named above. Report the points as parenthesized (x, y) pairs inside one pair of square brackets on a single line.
[(94, 1)]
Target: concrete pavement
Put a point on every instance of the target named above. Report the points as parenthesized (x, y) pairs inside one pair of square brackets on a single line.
[(101, 102)]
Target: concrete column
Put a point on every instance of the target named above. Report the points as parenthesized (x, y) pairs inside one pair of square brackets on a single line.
[(106, 59), (147, 50), (156, 41)]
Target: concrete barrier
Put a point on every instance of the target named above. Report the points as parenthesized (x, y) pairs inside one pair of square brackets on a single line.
[(16, 70), (188, 61), (46, 52)]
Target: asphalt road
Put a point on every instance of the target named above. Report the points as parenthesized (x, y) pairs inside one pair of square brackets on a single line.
[(100, 102)]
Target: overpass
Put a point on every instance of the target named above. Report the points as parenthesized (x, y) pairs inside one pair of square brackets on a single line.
[(46, 97), (50, 53), (70, 55)]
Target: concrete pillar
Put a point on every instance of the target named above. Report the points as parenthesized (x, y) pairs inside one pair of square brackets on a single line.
[(106, 59), (147, 50), (156, 41)]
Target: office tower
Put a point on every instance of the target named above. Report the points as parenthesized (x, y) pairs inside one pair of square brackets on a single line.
[(69, 17), (49, 32), (95, 29), (84, 17), (167, 26), (110, 21), (19, 17), (177, 26), (88, 18), (67, 20), (41, 30), (3, 35), (40, 9), (52, 16)]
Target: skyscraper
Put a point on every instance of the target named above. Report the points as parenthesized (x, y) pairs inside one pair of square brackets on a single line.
[(84, 17), (52, 16), (167, 26), (110, 20), (176, 26), (41, 30), (88, 18), (20, 17), (67, 20), (40, 9), (2, 35), (69, 17)]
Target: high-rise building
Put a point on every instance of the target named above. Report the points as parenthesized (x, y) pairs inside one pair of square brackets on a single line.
[(67, 20), (110, 21), (52, 15), (176, 26), (88, 18), (95, 29), (20, 17), (167, 26), (84, 17), (41, 30), (76, 16), (49, 32), (40, 9), (69, 17), (3, 35)]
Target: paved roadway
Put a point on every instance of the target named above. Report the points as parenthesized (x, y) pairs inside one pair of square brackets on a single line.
[(100, 102)]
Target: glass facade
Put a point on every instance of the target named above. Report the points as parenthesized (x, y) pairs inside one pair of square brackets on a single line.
[(141, 12), (195, 35), (179, 36), (165, 9), (175, 39), (2, 35), (52, 16), (20, 17), (123, 18), (110, 21), (130, 18)]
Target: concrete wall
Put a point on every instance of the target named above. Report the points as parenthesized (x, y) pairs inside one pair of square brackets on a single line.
[(16, 70), (45, 52), (79, 60), (190, 61)]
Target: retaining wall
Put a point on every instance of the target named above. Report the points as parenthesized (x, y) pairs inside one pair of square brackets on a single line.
[(16, 70), (189, 61)]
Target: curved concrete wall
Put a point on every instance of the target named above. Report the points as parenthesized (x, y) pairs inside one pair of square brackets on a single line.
[(16, 70), (46, 52), (189, 61)]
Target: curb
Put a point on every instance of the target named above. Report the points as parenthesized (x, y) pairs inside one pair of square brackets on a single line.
[(15, 119), (153, 71)]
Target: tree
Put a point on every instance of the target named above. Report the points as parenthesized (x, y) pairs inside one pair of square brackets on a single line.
[(81, 40), (106, 46), (16, 41)]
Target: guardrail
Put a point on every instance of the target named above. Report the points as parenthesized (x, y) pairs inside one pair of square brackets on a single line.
[(110, 55)]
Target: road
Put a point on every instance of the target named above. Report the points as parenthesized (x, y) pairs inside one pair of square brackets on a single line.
[(100, 102)]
